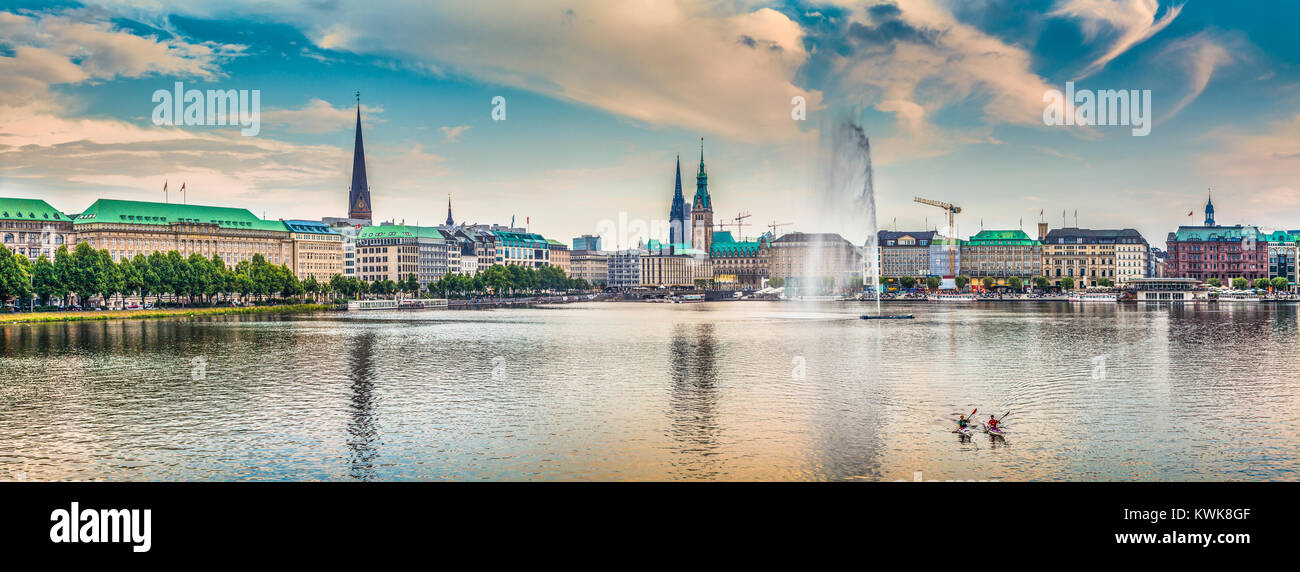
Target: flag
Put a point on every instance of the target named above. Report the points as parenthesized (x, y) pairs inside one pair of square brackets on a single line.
[(164, 185), (182, 186), (1190, 213)]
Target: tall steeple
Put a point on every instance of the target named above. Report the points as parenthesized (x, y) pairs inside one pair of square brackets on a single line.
[(677, 215), (450, 221), (1209, 209), (359, 192), (702, 211)]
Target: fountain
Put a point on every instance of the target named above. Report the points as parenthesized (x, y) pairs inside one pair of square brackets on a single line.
[(851, 182)]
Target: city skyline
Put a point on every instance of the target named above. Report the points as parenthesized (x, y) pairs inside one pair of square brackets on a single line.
[(76, 126)]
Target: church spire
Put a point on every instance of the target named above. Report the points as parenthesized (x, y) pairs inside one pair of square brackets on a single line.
[(359, 193), (1209, 208), (677, 213), (450, 221), (702, 200)]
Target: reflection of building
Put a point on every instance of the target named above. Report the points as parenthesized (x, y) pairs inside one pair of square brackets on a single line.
[(904, 253), (560, 256), (31, 227), (317, 250), (1213, 251), (1001, 255), (394, 252), (128, 228), (739, 264), (625, 268), (590, 265), (1088, 255), (817, 256)]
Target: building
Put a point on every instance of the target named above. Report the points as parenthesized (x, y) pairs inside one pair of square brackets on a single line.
[(394, 252), (359, 205), (32, 228), (904, 253), (586, 242), (560, 256), (590, 265), (317, 250), (739, 264), (826, 258), (1087, 256), (675, 266), (1001, 255), (1214, 251), (517, 247), (678, 224), (485, 245), (702, 209), (945, 257), (1282, 251), (625, 268), (128, 228)]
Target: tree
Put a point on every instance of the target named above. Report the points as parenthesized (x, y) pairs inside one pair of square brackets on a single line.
[(777, 281), (962, 281), (988, 283), (907, 282), (63, 271), (1016, 283), (1238, 283), (83, 272), (108, 277), (15, 276), (1261, 284), (1280, 284), (45, 281), (1106, 282), (933, 282), (311, 286), (1067, 283), (1042, 283)]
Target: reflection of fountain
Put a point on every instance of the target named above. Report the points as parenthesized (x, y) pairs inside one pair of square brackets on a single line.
[(694, 401), (362, 431), (849, 197)]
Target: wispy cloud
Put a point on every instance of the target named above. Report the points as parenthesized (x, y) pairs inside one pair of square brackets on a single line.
[(1200, 55), (319, 116), (1130, 22), (451, 134)]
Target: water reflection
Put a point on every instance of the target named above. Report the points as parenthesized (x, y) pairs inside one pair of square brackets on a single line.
[(693, 406), (363, 434)]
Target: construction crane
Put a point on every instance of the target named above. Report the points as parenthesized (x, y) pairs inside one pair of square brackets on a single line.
[(740, 224), (777, 225), (951, 209)]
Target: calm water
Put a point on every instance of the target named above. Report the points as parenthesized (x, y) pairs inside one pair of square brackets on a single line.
[(740, 390)]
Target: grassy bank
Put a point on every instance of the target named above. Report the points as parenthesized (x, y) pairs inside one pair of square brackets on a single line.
[(22, 318)]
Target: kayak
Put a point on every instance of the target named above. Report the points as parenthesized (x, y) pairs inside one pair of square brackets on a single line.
[(962, 430), (994, 431)]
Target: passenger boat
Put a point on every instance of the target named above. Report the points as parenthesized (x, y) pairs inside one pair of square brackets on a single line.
[(951, 298), (1095, 297), (1237, 296)]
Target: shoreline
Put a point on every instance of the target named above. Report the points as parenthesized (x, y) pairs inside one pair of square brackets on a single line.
[(84, 316)]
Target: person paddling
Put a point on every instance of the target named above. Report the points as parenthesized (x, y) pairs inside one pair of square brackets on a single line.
[(962, 423), (993, 422)]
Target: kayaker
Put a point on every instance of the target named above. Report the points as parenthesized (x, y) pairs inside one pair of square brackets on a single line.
[(993, 422), (963, 422)]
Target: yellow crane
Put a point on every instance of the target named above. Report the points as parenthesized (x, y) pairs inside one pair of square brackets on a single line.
[(951, 209)]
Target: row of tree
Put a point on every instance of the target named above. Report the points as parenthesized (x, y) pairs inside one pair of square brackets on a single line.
[(1278, 283), (90, 273)]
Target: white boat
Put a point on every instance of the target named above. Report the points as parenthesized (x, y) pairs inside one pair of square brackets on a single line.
[(951, 298), (824, 298), (1237, 296), (1095, 297)]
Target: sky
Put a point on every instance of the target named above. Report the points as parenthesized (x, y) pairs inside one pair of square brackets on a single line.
[(600, 97)]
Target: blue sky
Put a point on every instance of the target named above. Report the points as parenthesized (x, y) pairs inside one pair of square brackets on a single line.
[(602, 95)]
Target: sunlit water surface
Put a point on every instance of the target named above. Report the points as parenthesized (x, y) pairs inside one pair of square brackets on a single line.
[(633, 391)]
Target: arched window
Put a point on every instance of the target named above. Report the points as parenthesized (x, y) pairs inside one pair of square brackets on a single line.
[(9, 237)]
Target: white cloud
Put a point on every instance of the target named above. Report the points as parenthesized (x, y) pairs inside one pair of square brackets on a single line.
[(1200, 55), (319, 116), (450, 134), (1131, 21)]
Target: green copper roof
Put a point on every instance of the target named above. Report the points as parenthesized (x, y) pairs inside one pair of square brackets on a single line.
[(725, 245), (1001, 237), (1217, 233), (163, 214), (30, 209), (398, 231)]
